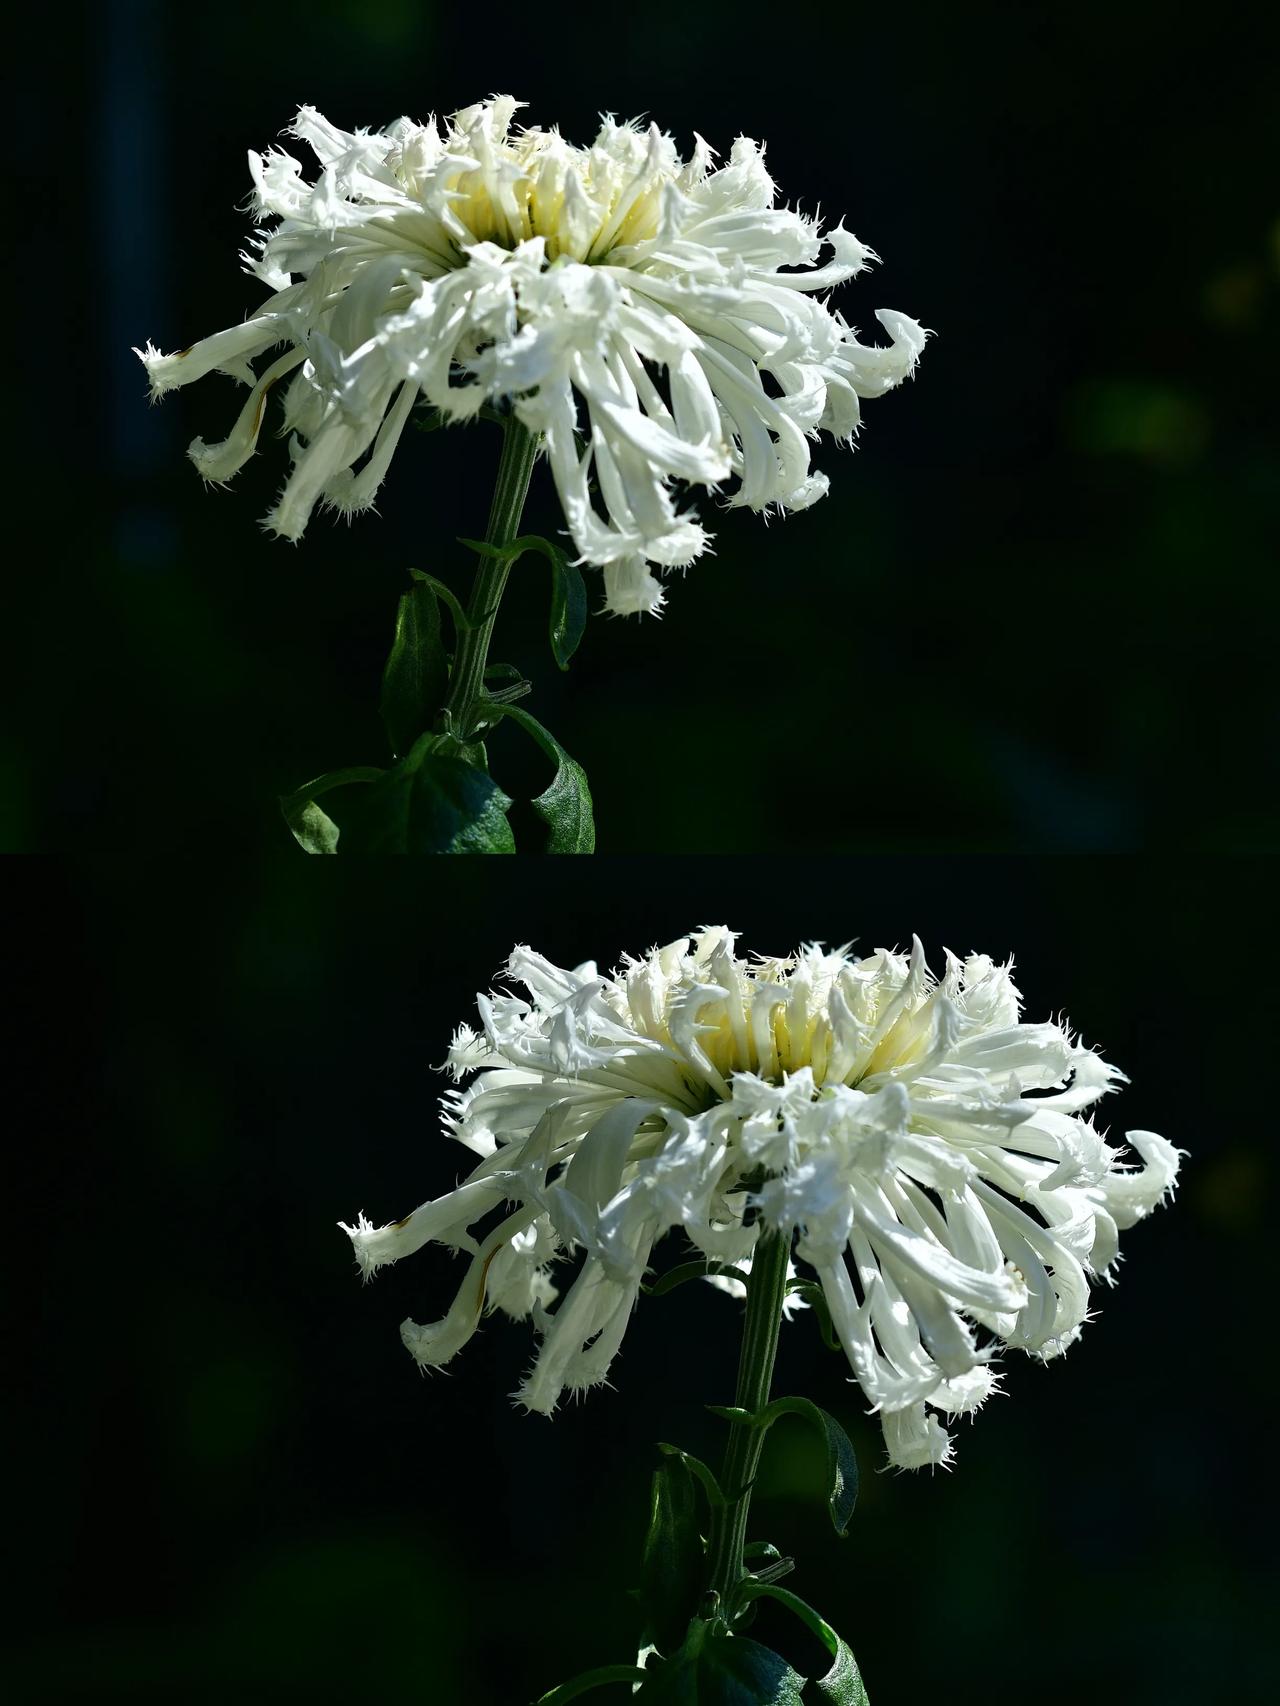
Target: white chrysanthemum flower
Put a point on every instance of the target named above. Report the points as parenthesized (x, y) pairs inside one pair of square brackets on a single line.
[(653, 319), (931, 1153)]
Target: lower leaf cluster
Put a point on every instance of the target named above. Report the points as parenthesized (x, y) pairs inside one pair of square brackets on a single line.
[(697, 1652), (438, 796)]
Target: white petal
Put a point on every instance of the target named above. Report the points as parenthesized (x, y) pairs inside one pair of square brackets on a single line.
[(915, 1439)]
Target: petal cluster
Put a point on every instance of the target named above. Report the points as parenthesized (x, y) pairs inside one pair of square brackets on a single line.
[(931, 1154), (659, 322)]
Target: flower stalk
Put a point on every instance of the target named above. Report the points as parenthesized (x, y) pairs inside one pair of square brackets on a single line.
[(466, 684), (766, 1290)]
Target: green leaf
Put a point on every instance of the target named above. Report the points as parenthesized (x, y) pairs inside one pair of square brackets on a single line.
[(588, 1680), (314, 830), (565, 807), (433, 801), (417, 669), (673, 1562), (689, 1271), (568, 619), (715, 1669), (842, 1463), (461, 622), (842, 1685), (698, 1468)]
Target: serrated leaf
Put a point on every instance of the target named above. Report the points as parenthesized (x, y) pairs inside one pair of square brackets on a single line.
[(433, 801), (565, 807), (417, 669), (714, 1669), (842, 1685), (674, 1558), (314, 830)]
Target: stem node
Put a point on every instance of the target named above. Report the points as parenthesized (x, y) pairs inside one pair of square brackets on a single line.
[(766, 1289), (466, 683)]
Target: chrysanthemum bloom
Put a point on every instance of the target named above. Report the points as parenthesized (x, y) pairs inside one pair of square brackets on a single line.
[(655, 320), (931, 1152)]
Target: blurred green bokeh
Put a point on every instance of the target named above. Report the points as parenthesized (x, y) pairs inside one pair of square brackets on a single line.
[(1035, 612)]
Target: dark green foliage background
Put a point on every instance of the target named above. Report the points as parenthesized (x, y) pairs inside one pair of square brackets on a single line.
[(1036, 611), (229, 1480)]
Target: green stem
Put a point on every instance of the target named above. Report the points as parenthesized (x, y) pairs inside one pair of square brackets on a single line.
[(466, 684), (766, 1288)]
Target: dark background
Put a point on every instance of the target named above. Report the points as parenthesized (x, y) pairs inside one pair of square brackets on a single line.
[(230, 1480), (1035, 612)]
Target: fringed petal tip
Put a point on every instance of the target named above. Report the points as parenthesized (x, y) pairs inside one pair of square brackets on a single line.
[(421, 1340), (532, 1399), (914, 1439), (281, 524), (360, 1234), (1130, 1194), (909, 333), (631, 590), (850, 252), (162, 370)]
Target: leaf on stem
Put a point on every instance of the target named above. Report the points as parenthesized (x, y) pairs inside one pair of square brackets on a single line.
[(565, 806), (673, 1563), (696, 1467), (842, 1463), (461, 622), (842, 1685), (716, 1669), (417, 669), (314, 830), (568, 619), (435, 800)]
